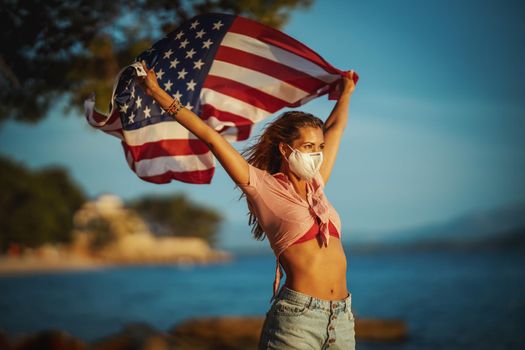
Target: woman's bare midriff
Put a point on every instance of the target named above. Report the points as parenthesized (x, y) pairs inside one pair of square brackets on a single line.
[(316, 270)]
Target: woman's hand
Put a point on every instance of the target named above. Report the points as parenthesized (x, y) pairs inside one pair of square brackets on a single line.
[(348, 84), (149, 83)]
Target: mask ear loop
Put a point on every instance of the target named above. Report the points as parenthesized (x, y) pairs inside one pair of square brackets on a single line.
[(293, 150)]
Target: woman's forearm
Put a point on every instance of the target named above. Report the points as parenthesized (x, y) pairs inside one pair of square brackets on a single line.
[(185, 117), (232, 161), (339, 115)]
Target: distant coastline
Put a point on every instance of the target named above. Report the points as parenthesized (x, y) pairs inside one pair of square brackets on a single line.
[(511, 240), (32, 264)]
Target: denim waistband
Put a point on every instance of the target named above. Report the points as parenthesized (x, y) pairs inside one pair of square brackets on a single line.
[(313, 302)]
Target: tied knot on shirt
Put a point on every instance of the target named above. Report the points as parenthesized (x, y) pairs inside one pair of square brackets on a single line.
[(321, 210)]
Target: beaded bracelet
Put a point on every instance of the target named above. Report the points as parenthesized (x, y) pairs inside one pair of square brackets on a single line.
[(174, 108)]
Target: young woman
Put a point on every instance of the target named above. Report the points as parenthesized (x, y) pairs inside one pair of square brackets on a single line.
[(283, 179)]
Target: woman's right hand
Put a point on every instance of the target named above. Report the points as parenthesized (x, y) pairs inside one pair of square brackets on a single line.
[(149, 83)]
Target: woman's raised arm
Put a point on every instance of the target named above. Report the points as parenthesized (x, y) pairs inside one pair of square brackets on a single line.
[(334, 127), (232, 161)]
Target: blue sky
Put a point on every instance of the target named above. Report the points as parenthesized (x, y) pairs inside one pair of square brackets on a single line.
[(436, 126)]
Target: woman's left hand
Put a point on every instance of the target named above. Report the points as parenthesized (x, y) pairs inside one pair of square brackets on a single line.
[(348, 84)]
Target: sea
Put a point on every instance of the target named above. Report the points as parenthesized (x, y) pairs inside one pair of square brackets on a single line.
[(448, 299)]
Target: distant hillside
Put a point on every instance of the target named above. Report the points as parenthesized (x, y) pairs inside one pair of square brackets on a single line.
[(470, 226), (499, 228), (513, 240)]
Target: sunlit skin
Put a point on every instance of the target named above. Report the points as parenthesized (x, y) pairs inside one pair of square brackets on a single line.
[(311, 267)]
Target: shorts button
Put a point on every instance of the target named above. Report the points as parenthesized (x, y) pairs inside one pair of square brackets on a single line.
[(331, 341)]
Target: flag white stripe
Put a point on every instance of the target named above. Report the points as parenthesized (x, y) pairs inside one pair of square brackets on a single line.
[(183, 163), (169, 130), (260, 81), (276, 54), (232, 105)]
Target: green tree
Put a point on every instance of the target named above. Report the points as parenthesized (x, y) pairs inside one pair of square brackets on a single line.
[(36, 207), (53, 48), (177, 216)]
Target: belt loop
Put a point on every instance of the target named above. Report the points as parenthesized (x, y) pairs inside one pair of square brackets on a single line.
[(309, 303)]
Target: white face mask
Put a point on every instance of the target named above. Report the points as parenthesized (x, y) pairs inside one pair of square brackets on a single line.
[(304, 165)]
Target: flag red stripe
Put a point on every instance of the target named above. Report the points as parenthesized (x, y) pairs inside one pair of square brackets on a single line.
[(164, 148), (244, 93), (277, 70), (276, 38), (194, 177), (243, 125), (98, 117), (208, 110)]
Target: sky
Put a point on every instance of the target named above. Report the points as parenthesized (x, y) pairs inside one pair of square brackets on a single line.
[(436, 124)]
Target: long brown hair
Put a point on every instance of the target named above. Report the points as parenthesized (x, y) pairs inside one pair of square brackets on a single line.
[(264, 153)]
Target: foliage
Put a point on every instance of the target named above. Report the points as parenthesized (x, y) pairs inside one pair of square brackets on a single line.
[(176, 215), (53, 48), (36, 207)]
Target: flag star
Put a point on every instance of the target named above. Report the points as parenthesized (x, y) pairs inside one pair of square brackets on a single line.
[(189, 54), (198, 64), (147, 112), (207, 44), (199, 34), (162, 111), (182, 73), (167, 86), (160, 73), (177, 95), (183, 44), (131, 118), (168, 53), (133, 92), (191, 85), (173, 64), (194, 25), (139, 102), (124, 108), (189, 106), (218, 25), (179, 35)]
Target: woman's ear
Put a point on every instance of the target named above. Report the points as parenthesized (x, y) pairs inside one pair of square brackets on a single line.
[(282, 149)]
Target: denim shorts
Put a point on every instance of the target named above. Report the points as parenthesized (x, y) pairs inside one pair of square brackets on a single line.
[(299, 321)]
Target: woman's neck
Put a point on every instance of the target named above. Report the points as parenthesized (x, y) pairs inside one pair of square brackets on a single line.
[(300, 185)]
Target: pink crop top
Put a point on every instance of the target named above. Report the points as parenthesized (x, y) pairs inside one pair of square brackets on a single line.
[(284, 216)]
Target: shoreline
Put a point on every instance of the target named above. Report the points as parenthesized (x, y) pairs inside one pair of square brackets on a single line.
[(25, 266)]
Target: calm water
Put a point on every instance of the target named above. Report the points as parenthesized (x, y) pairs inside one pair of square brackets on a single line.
[(449, 300)]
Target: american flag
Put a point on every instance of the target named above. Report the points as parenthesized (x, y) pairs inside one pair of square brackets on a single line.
[(231, 71)]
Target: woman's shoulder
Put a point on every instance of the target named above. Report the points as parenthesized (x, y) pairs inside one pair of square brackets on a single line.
[(257, 177)]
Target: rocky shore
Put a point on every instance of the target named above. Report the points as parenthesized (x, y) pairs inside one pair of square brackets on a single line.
[(106, 234), (218, 333)]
